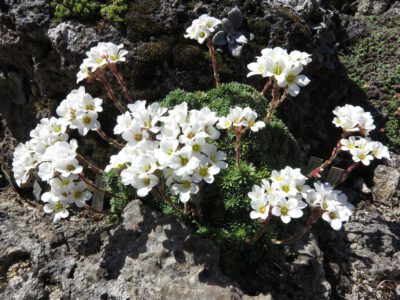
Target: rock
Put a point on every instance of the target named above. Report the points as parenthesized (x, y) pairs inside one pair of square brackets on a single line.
[(147, 256), (386, 182), (376, 258), (373, 7)]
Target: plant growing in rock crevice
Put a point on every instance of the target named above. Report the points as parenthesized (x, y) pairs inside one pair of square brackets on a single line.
[(179, 154)]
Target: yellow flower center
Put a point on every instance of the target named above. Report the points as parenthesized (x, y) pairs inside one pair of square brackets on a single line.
[(186, 184), (78, 194), (284, 210), (170, 151), (285, 188), (262, 209), (89, 107), (196, 147), (291, 78), (203, 171), (138, 137), (56, 128), (86, 120), (362, 156), (278, 70), (58, 207), (146, 181), (184, 160), (70, 167)]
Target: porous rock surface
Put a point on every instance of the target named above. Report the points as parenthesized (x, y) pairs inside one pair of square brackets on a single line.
[(146, 256)]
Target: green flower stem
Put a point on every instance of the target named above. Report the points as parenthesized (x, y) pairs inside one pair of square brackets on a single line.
[(211, 50), (111, 141), (316, 214), (89, 163)]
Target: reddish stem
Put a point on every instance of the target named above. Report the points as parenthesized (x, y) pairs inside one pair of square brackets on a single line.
[(90, 164), (347, 173), (211, 50), (262, 229), (238, 146), (121, 82), (110, 92), (267, 85), (316, 213), (111, 141)]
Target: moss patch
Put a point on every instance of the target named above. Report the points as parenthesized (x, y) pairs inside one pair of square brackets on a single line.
[(225, 204), (89, 10), (374, 64)]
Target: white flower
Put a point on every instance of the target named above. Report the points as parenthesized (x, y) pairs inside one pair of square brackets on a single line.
[(86, 121), (104, 54), (258, 68), (66, 167), (288, 209), (84, 72), (124, 122), (260, 209), (205, 172), (183, 162), (335, 215), (57, 209), (224, 123), (23, 163), (184, 187), (379, 151), (144, 183), (135, 135), (79, 194), (291, 78), (202, 28), (348, 144), (301, 57), (250, 117), (209, 22), (216, 157), (166, 152), (362, 155)]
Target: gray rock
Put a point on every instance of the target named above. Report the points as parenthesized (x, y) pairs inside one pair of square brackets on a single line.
[(373, 7), (386, 182), (147, 256)]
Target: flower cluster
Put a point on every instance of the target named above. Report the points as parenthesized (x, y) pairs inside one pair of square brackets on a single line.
[(99, 56), (364, 150), (332, 204), (241, 117), (202, 28), (353, 119), (80, 111), (284, 67), (167, 147), (283, 196), (49, 152), (280, 196)]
